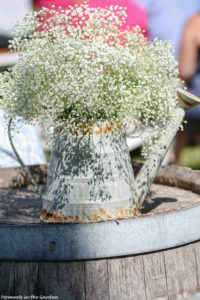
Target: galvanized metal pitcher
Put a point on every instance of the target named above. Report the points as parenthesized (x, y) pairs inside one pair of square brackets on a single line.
[(91, 179)]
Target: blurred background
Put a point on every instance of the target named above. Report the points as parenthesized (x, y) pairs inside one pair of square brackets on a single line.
[(174, 20)]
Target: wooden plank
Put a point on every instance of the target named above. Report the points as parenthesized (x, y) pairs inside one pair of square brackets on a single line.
[(197, 255), (16, 177), (72, 280), (62, 279), (181, 269), (48, 279), (126, 278), (20, 206), (7, 271), (26, 278), (96, 280), (155, 276)]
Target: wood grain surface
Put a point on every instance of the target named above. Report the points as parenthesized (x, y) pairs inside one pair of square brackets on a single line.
[(169, 274), (22, 206)]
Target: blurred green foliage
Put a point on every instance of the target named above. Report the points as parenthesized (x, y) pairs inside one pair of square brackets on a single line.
[(190, 157), (47, 155)]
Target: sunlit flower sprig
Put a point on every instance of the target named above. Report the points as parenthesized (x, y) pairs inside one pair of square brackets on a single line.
[(77, 69)]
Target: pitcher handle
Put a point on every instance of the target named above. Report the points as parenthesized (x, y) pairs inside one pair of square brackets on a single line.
[(26, 169)]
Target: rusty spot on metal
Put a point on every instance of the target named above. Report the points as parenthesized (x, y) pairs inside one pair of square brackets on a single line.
[(54, 217), (59, 217), (76, 218), (105, 129), (98, 132), (100, 215), (88, 127), (52, 246), (116, 213), (102, 211), (86, 215), (102, 131), (96, 218)]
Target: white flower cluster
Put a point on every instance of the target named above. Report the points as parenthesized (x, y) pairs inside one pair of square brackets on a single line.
[(77, 68)]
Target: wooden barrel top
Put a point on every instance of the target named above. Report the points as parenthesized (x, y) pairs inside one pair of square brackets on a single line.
[(33, 255), (174, 188), (22, 206), (169, 218)]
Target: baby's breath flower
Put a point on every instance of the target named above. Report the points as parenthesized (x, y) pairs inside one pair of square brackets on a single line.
[(76, 67)]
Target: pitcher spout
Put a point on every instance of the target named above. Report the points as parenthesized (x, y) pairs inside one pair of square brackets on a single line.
[(148, 172)]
